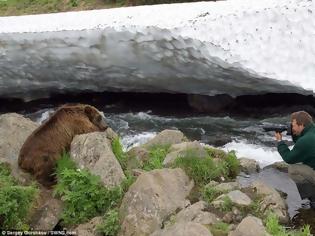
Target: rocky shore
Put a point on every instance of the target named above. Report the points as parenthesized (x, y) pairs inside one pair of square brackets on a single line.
[(169, 195)]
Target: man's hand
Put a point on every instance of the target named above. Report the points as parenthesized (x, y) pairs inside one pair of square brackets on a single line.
[(278, 136)]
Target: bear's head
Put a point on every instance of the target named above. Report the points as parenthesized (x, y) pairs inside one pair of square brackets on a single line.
[(95, 117)]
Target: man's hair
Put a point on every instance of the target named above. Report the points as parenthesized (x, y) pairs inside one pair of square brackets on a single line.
[(302, 118)]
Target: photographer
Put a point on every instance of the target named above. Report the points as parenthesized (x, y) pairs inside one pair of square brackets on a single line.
[(303, 153)]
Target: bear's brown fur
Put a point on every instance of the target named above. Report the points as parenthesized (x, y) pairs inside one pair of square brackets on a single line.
[(45, 145)]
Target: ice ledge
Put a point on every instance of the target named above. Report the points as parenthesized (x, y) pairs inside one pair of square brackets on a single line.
[(235, 47)]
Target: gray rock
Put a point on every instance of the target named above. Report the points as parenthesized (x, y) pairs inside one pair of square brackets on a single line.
[(249, 166), (89, 229), (196, 214), (239, 198), (227, 187), (250, 226), (166, 137), (184, 229), (93, 151), (280, 165), (136, 157), (14, 129), (151, 199), (271, 200), (47, 211)]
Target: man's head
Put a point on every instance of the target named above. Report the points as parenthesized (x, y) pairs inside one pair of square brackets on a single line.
[(299, 120)]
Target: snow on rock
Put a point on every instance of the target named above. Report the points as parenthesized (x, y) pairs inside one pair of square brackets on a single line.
[(235, 47)]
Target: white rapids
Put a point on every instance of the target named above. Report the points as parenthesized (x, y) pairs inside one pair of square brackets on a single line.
[(234, 47)]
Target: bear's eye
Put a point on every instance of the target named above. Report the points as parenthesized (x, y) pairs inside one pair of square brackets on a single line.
[(99, 119)]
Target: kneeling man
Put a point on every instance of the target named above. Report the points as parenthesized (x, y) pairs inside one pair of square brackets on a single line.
[(302, 156)]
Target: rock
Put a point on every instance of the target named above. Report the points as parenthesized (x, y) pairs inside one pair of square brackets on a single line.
[(136, 157), (184, 229), (151, 199), (280, 165), (137, 172), (239, 198), (47, 211), (166, 137), (227, 187), (196, 214), (192, 149), (249, 166), (110, 134), (228, 218), (236, 197), (250, 226), (89, 229), (271, 200), (93, 151), (14, 129)]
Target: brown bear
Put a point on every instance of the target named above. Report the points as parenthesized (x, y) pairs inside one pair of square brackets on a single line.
[(45, 145)]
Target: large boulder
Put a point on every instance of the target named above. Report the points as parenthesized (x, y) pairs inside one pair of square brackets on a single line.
[(249, 166), (93, 151), (184, 229), (166, 137), (14, 129), (250, 226), (184, 149), (197, 213), (47, 211), (271, 200), (151, 199)]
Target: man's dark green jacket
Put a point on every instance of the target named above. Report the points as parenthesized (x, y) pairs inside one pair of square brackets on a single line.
[(303, 150)]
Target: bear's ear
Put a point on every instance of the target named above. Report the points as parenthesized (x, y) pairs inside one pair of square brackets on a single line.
[(89, 111)]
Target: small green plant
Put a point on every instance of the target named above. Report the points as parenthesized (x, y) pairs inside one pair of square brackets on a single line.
[(201, 170), (119, 153), (15, 201), (64, 162), (156, 157), (74, 3), (110, 225), (226, 205), (209, 193), (215, 153), (233, 164), (274, 228), (220, 229)]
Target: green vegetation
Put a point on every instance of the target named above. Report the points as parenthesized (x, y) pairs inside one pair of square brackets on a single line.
[(83, 193), (226, 205), (119, 153), (15, 201), (25, 7), (22, 7), (156, 157), (220, 229), (209, 193), (274, 228), (203, 170), (110, 225)]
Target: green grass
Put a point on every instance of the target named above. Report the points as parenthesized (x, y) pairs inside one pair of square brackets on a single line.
[(110, 225), (274, 228), (83, 194), (119, 153), (156, 157), (22, 7), (203, 170), (15, 201), (220, 229), (209, 193)]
